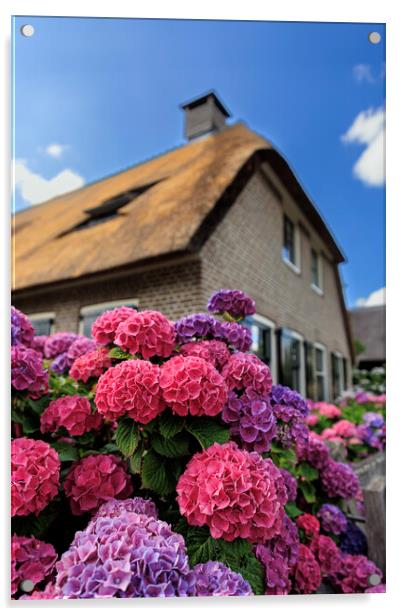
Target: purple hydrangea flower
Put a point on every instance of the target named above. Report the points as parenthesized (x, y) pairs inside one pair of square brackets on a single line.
[(22, 331), (215, 579), (199, 325), (236, 335), (339, 480), (251, 420), (81, 345), (58, 343), (289, 398), (27, 371), (290, 483), (353, 540), (290, 411), (60, 364), (131, 555), (234, 302), (38, 343), (374, 420), (114, 508), (332, 519), (313, 451)]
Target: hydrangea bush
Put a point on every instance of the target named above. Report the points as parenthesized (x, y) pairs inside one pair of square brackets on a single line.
[(157, 459)]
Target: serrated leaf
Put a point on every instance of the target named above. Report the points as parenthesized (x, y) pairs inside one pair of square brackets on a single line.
[(207, 431), (67, 451), (175, 447), (117, 353), (292, 510), (170, 425), (127, 436), (135, 462), (308, 491), (155, 474), (308, 472)]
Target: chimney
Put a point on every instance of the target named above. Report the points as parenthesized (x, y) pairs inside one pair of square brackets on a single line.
[(204, 115)]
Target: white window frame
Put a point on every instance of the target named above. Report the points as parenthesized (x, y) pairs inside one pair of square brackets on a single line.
[(274, 362), (342, 386), (320, 288), (110, 305), (297, 336), (45, 316), (324, 373), (295, 267)]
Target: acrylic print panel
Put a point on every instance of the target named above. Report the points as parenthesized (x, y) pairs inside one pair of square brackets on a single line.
[(198, 374)]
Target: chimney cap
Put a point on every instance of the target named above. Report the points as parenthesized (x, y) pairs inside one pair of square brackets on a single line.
[(200, 100)]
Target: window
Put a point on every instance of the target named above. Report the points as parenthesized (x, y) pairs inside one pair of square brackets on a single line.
[(291, 245), (89, 314), (320, 372), (338, 375), (292, 357), (316, 272), (43, 323), (263, 336)]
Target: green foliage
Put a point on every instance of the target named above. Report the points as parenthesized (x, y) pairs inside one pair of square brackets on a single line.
[(135, 462), (292, 510), (170, 425), (174, 447), (157, 474), (67, 451), (373, 381), (306, 471), (207, 431), (127, 436), (117, 353), (308, 490)]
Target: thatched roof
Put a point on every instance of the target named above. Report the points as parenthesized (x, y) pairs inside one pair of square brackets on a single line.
[(184, 194), (368, 326)]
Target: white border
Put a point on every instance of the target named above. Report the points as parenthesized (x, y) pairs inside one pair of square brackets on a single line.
[(293, 334), (295, 267), (321, 347), (274, 363)]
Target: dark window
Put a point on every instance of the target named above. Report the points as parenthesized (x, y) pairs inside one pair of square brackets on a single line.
[(89, 316), (42, 325), (319, 374), (310, 383), (315, 270), (337, 375), (262, 339), (289, 244), (291, 360)]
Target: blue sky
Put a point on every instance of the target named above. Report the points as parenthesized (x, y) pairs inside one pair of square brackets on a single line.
[(93, 96)]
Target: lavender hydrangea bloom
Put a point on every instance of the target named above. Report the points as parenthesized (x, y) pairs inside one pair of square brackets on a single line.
[(131, 555), (289, 398), (339, 480), (290, 410), (290, 484), (374, 420), (27, 371), (215, 579), (22, 331), (58, 343), (114, 508), (313, 451), (353, 540), (332, 519), (199, 325), (38, 343), (81, 345), (251, 420), (60, 364), (234, 302), (235, 334)]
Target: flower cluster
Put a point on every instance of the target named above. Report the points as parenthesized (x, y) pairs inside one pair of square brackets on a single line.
[(332, 519), (307, 572), (290, 484), (356, 574), (27, 371), (105, 326), (22, 331), (132, 387), (38, 595), (81, 345), (59, 343), (192, 386), (35, 469), (215, 579), (353, 540), (200, 325), (326, 553), (290, 410), (131, 555), (325, 409), (244, 370), (308, 524), (339, 480), (148, 333), (38, 344), (238, 336), (31, 560), (236, 493), (313, 451), (90, 365), (215, 352), (74, 413), (114, 508), (232, 301), (95, 479)]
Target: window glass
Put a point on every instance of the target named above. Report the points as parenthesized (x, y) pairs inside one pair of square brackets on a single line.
[(289, 248), (337, 375), (315, 274), (42, 325), (319, 374), (261, 334), (291, 361)]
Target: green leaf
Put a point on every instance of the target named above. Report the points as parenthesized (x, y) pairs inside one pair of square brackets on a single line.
[(201, 547), (135, 461), (308, 472), (127, 436), (175, 447), (155, 474), (207, 431), (292, 510), (67, 451), (38, 406), (170, 425), (117, 353), (30, 424), (308, 491)]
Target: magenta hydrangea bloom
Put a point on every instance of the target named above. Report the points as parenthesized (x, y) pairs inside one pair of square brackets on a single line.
[(35, 471), (234, 302), (290, 483), (59, 343), (27, 371), (332, 519), (277, 571), (96, 479), (105, 326), (234, 492), (148, 333), (38, 344), (307, 572), (339, 480), (200, 325), (31, 560), (238, 336), (74, 413), (114, 508), (81, 345), (192, 386), (308, 524), (244, 370), (251, 420), (326, 553), (375, 589), (291, 412), (39, 595), (22, 331), (90, 365), (214, 579), (214, 351), (327, 410), (132, 555), (313, 451), (355, 574), (60, 364), (132, 388)]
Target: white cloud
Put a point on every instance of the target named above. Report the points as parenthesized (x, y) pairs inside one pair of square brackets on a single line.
[(35, 189), (55, 150), (368, 129), (362, 72), (376, 298)]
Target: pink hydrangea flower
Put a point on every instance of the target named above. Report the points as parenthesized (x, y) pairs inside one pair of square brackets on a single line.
[(344, 428), (330, 435), (74, 413), (105, 326), (132, 388), (214, 351), (35, 470), (312, 419), (39, 595), (234, 492), (38, 344), (58, 343), (31, 560), (244, 370), (192, 386), (307, 572), (90, 365), (326, 553), (355, 574), (95, 480), (309, 524), (27, 371), (327, 410), (149, 333)]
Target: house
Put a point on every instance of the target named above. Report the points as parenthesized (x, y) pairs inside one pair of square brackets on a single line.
[(368, 327), (223, 210)]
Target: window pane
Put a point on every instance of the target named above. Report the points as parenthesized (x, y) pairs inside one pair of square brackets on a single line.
[(320, 384), (289, 241), (319, 360), (255, 335), (315, 279), (291, 353), (42, 327)]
